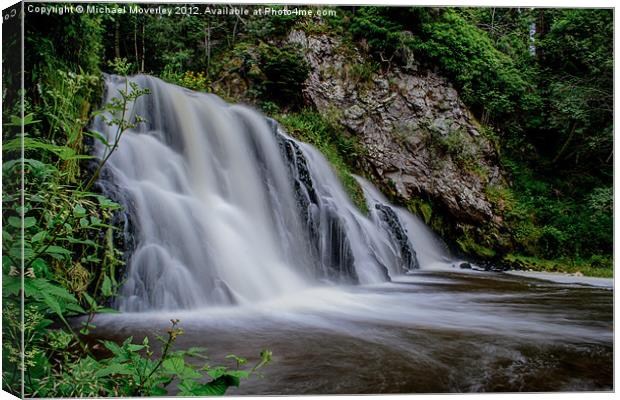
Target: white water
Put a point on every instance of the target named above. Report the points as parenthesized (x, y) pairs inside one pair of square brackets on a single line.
[(431, 252), (224, 208)]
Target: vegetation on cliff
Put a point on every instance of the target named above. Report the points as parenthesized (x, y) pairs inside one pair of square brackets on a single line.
[(541, 79)]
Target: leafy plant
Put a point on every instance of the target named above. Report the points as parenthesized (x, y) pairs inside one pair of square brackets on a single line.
[(59, 250)]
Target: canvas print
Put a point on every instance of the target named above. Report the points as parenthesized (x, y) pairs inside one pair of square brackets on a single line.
[(207, 199)]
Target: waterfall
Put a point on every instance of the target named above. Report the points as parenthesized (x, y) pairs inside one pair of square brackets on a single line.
[(223, 207)]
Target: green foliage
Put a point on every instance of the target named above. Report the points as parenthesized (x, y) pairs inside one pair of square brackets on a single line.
[(548, 224), (120, 66), (53, 40), (193, 80), (261, 73), (594, 221), (459, 146), (378, 27), (134, 370), (57, 369), (508, 29), (275, 25), (285, 71), (578, 79), (469, 245), (488, 79), (327, 135), (361, 74), (66, 99), (421, 208), (269, 107)]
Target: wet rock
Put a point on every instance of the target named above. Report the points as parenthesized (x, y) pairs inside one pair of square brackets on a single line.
[(465, 265), (408, 255)]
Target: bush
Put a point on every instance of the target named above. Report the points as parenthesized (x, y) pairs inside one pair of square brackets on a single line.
[(378, 28)]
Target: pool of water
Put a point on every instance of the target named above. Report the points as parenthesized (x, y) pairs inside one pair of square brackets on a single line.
[(429, 332)]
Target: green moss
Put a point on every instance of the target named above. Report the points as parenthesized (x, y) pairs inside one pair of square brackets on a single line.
[(469, 246), (421, 208), (323, 132), (500, 196)]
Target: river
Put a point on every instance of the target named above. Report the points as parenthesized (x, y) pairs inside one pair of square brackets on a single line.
[(426, 332)]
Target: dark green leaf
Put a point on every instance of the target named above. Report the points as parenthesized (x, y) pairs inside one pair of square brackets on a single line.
[(37, 237), (106, 287), (15, 222), (114, 369)]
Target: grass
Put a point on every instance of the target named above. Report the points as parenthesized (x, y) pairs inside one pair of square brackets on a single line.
[(561, 265)]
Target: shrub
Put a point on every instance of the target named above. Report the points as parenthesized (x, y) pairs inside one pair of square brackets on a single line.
[(375, 25)]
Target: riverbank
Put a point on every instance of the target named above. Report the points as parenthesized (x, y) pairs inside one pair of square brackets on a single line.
[(560, 277), (577, 268)]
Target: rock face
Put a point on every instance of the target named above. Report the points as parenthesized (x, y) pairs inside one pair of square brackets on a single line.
[(419, 138)]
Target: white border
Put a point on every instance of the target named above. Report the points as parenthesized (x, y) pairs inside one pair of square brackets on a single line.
[(453, 3)]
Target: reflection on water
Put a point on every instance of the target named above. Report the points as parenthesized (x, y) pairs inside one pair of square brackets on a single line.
[(432, 331)]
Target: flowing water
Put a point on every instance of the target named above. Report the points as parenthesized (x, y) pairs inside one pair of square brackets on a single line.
[(247, 236)]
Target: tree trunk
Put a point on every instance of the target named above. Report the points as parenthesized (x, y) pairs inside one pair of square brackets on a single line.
[(541, 31), (135, 41), (208, 48), (117, 39), (143, 47), (565, 145), (234, 32)]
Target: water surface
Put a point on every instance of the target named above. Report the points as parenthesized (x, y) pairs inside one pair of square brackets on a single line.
[(427, 332)]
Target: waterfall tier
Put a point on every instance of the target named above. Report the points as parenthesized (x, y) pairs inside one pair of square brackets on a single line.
[(223, 207)]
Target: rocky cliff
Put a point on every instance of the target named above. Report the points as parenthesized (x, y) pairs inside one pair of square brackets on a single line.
[(420, 139)]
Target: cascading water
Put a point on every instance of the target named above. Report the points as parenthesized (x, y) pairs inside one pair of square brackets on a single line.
[(224, 208), (428, 250)]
